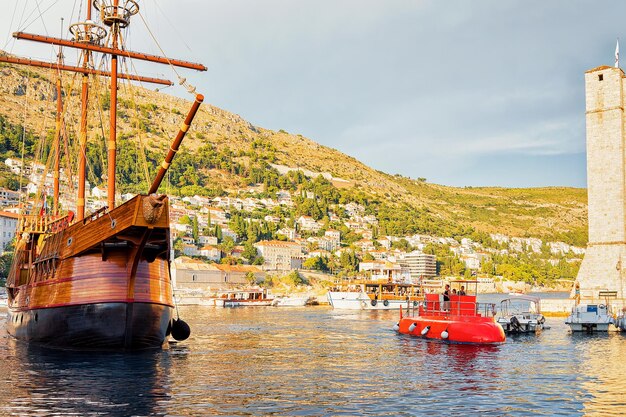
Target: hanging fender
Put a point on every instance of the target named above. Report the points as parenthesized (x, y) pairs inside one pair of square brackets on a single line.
[(180, 330)]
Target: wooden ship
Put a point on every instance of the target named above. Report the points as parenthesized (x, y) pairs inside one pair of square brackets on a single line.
[(97, 281)]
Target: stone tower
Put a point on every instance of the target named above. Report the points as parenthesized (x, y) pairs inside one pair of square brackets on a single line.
[(604, 265)]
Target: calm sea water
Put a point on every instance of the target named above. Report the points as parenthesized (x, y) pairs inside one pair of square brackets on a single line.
[(314, 361)]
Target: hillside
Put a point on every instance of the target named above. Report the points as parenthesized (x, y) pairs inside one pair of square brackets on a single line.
[(223, 153)]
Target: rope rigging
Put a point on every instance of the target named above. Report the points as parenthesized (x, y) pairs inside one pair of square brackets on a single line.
[(67, 126)]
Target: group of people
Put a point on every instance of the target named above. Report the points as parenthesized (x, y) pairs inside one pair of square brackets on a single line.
[(447, 294)]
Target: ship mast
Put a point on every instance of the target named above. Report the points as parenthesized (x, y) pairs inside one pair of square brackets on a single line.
[(86, 32), (88, 37), (116, 18), (57, 136)]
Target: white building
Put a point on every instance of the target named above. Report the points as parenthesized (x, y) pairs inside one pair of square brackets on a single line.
[(420, 265), (280, 255), (289, 233), (384, 270), (8, 227), (308, 223), (8, 197), (211, 252), (334, 236)]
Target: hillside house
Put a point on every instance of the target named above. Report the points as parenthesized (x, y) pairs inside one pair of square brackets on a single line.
[(211, 252), (280, 255), (8, 197), (308, 223), (218, 216)]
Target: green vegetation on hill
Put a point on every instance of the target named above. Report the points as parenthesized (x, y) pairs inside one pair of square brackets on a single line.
[(225, 155)]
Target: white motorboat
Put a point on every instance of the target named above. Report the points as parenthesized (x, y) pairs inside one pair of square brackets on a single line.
[(591, 318), (521, 314), (291, 301)]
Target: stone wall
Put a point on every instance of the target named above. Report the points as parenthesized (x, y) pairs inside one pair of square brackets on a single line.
[(606, 178)]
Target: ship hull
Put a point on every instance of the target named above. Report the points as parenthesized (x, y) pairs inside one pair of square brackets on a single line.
[(103, 283), (458, 329), (99, 326)]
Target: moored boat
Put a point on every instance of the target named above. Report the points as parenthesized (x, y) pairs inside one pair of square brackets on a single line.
[(102, 280), (248, 297), (591, 318), (460, 320), (375, 295), (521, 314), (291, 301)]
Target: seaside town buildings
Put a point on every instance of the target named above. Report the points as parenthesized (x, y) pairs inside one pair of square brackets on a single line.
[(293, 240)]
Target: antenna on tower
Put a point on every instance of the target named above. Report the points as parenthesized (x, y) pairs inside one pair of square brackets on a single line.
[(617, 54)]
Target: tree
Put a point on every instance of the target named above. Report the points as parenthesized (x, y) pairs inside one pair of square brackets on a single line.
[(249, 252), (402, 244), (318, 263), (348, 261), (194, 228), (178, 246), (250, 278), (5, 261), (227, 245)]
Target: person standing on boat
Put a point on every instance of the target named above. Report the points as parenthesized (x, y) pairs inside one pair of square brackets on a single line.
[(462, 290), (446, 298)]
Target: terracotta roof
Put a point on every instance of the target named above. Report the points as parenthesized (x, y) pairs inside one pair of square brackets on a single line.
[(9, 214), (276, 243), (237, 268)]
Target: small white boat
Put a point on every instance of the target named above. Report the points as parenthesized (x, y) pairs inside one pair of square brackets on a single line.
[(521, 314), (591, 318), (291, 301), (247, 297)]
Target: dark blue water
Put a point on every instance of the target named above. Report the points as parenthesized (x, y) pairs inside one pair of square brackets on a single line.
[(318, 362)]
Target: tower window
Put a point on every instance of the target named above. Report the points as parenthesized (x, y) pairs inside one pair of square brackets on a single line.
[(600, 77)]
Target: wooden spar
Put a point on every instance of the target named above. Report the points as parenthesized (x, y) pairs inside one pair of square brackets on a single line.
[(88, 71), (108, 50), (113, 119), (57, 146), (174, 148), (82, 156)]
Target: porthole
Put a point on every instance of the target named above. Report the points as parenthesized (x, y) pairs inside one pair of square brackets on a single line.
[(70, 241), (36, 316), (113, 223)]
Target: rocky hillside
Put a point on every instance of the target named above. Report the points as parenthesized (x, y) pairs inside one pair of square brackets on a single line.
[(151, 118)]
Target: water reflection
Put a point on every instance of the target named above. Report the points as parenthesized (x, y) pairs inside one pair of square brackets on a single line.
[(602, 375), (316, 361), (54, 382)]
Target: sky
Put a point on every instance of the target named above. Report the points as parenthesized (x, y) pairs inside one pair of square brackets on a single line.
[(462, 93)]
